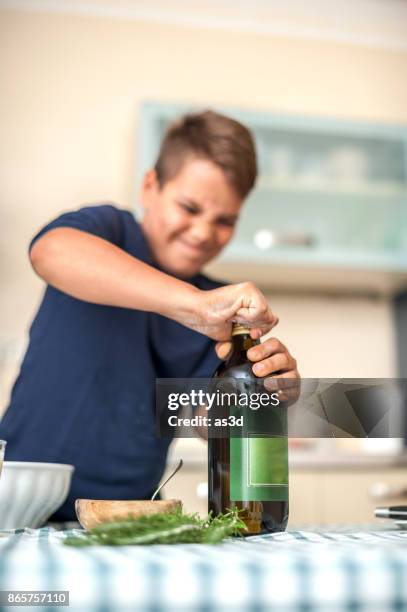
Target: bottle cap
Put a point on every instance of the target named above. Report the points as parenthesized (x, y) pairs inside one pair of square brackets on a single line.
[(238, 328)]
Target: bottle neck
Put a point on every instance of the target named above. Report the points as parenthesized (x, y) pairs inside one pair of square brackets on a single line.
[(241, 343)]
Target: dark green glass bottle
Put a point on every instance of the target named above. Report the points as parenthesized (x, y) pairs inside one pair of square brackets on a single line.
[(251, 472)]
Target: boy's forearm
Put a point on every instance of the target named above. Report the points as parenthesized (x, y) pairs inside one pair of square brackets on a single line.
[(94, 270)]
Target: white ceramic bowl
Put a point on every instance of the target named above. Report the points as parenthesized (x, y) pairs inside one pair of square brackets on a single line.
[(30, 492)]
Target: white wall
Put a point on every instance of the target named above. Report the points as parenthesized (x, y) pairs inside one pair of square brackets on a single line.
[(337, 337)]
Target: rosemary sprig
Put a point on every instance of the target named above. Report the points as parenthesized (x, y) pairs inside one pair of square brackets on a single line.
[(167, 528)]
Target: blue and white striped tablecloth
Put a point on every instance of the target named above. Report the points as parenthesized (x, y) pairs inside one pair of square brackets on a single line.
[(332, 570)]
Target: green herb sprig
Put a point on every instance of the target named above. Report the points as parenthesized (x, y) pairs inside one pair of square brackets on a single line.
[(166, 528)]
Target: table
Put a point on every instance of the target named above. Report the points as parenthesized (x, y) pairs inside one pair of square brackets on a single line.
[(344, 569)]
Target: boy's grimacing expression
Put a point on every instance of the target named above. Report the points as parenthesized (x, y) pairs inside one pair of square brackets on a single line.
[(190, 218)]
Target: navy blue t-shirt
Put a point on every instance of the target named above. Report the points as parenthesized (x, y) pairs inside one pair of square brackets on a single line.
[(85, 391)]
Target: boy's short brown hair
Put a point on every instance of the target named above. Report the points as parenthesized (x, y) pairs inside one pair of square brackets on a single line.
[(214, 137)]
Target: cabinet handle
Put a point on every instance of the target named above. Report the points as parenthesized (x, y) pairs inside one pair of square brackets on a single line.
[(202, 490), (266, 239), (382, 490)]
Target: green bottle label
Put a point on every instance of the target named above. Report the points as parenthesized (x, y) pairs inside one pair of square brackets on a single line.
[(259, 468)]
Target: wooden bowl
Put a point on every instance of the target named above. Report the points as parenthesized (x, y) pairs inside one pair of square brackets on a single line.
[(93, 512)]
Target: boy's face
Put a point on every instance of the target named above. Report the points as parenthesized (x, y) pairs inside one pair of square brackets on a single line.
[(190, 220)]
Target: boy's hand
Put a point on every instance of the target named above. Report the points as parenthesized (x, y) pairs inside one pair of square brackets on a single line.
[(214, 311), (270, 357), (272, 361)]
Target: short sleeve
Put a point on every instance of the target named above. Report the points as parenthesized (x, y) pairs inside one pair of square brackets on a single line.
[(103, 220)]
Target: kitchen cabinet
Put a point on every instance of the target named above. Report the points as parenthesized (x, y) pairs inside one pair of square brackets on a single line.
[(323, 491), (344, 494), (329, 207)]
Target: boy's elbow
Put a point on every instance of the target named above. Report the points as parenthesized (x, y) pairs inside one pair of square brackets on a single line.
[(41, 253), (36, 256)]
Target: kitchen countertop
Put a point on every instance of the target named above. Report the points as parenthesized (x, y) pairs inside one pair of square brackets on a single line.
[(341, 569)]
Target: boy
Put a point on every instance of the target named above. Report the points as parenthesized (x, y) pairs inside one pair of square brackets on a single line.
[(126, 303)]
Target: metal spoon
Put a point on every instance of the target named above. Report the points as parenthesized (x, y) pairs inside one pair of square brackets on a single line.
[(179, 466)]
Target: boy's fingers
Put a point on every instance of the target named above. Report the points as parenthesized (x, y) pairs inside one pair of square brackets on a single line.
[(264, 319), (257, 332), (223, 349), (260, 329), (269, 347)]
